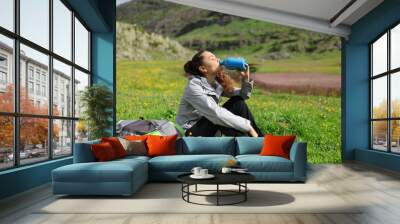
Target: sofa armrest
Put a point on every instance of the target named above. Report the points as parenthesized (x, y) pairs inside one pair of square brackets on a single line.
[(298, 155), (83, 152)]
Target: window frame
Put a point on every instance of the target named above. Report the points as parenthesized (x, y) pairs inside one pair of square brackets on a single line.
[(16, 114), (388, 74)]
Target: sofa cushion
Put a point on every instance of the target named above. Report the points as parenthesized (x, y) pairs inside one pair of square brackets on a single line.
[(111, 171), (257, 163), (184, 163), (133, 157), (249, 145), (207, 145)]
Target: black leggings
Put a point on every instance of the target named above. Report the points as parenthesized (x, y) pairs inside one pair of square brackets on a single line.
[(236, 105)]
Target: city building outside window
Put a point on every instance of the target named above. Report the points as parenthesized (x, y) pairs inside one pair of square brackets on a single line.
[(58, 126)]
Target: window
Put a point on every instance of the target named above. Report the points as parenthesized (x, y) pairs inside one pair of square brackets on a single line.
[(55, 101), (62, 137), (6, 73), (7, 14), (3, 71), (47, 77), (44, 77), (81, 81), (35, 21), (30, 87), (3, 78), (37, 74), (62, 74), (37, 89), (40, 62), (33, 147), (7, 142), (81, 45), (395, 47), (44, 91), (30, 72), (3, 61), (385, 94), (62, 29)]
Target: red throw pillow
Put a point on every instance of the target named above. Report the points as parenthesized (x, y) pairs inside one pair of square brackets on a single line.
[(136, 137), (103, 151), (277, 145), (159, 145), (116, 144)]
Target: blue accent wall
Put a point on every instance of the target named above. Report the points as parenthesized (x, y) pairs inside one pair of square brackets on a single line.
[(103, 53), (24, 178), (99, 16), (355, 88)]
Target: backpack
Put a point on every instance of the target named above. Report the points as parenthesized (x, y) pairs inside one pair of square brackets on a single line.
[(148, 127)]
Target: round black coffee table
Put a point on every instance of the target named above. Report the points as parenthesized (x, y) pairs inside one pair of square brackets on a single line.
[(238, 179)]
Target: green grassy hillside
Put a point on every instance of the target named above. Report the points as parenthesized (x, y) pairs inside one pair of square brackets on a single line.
[(258, 40), (152, 90), (133, 43)]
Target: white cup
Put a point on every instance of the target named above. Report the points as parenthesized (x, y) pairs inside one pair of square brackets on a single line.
[(196, 170), (226, 170), (203, 172)]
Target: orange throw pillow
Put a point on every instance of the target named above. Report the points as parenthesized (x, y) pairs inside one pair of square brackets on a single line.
[(277, 145), (116, 144), (103, 151), (159, 145)]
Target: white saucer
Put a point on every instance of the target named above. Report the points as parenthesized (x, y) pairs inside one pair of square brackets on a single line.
[(208, 176)]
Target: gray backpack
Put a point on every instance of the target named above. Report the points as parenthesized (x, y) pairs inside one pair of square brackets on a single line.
[(153, 127)]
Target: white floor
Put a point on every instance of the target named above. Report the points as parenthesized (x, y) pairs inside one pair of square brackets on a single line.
[(377, 189)]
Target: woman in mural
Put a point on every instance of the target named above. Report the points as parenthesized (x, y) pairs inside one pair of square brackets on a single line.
[(199, 113)]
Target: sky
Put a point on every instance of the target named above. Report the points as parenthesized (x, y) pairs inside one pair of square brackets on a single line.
[(35, 27), (122, 1)]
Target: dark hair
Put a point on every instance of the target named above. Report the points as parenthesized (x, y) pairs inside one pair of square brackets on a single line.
[(192, 67)]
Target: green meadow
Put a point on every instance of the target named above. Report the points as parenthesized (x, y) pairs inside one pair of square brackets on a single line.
[(152, 90)]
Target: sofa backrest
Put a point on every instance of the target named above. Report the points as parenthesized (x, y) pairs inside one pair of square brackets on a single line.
[(248, 145), (83, 152), (191, 146), (206, 145)]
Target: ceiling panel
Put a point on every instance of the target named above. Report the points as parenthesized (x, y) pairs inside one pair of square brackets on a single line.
[(321, 9), (314, 15)]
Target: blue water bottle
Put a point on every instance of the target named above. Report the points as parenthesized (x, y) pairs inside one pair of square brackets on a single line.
[(234, 63)]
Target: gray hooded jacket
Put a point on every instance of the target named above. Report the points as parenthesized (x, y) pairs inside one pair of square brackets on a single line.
[(201, 98)]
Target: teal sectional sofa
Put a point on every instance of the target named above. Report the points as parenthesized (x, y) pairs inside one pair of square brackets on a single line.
[(125, 176)]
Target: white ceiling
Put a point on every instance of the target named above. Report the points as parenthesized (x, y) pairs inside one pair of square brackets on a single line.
[(323, 9), (314, 15)]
